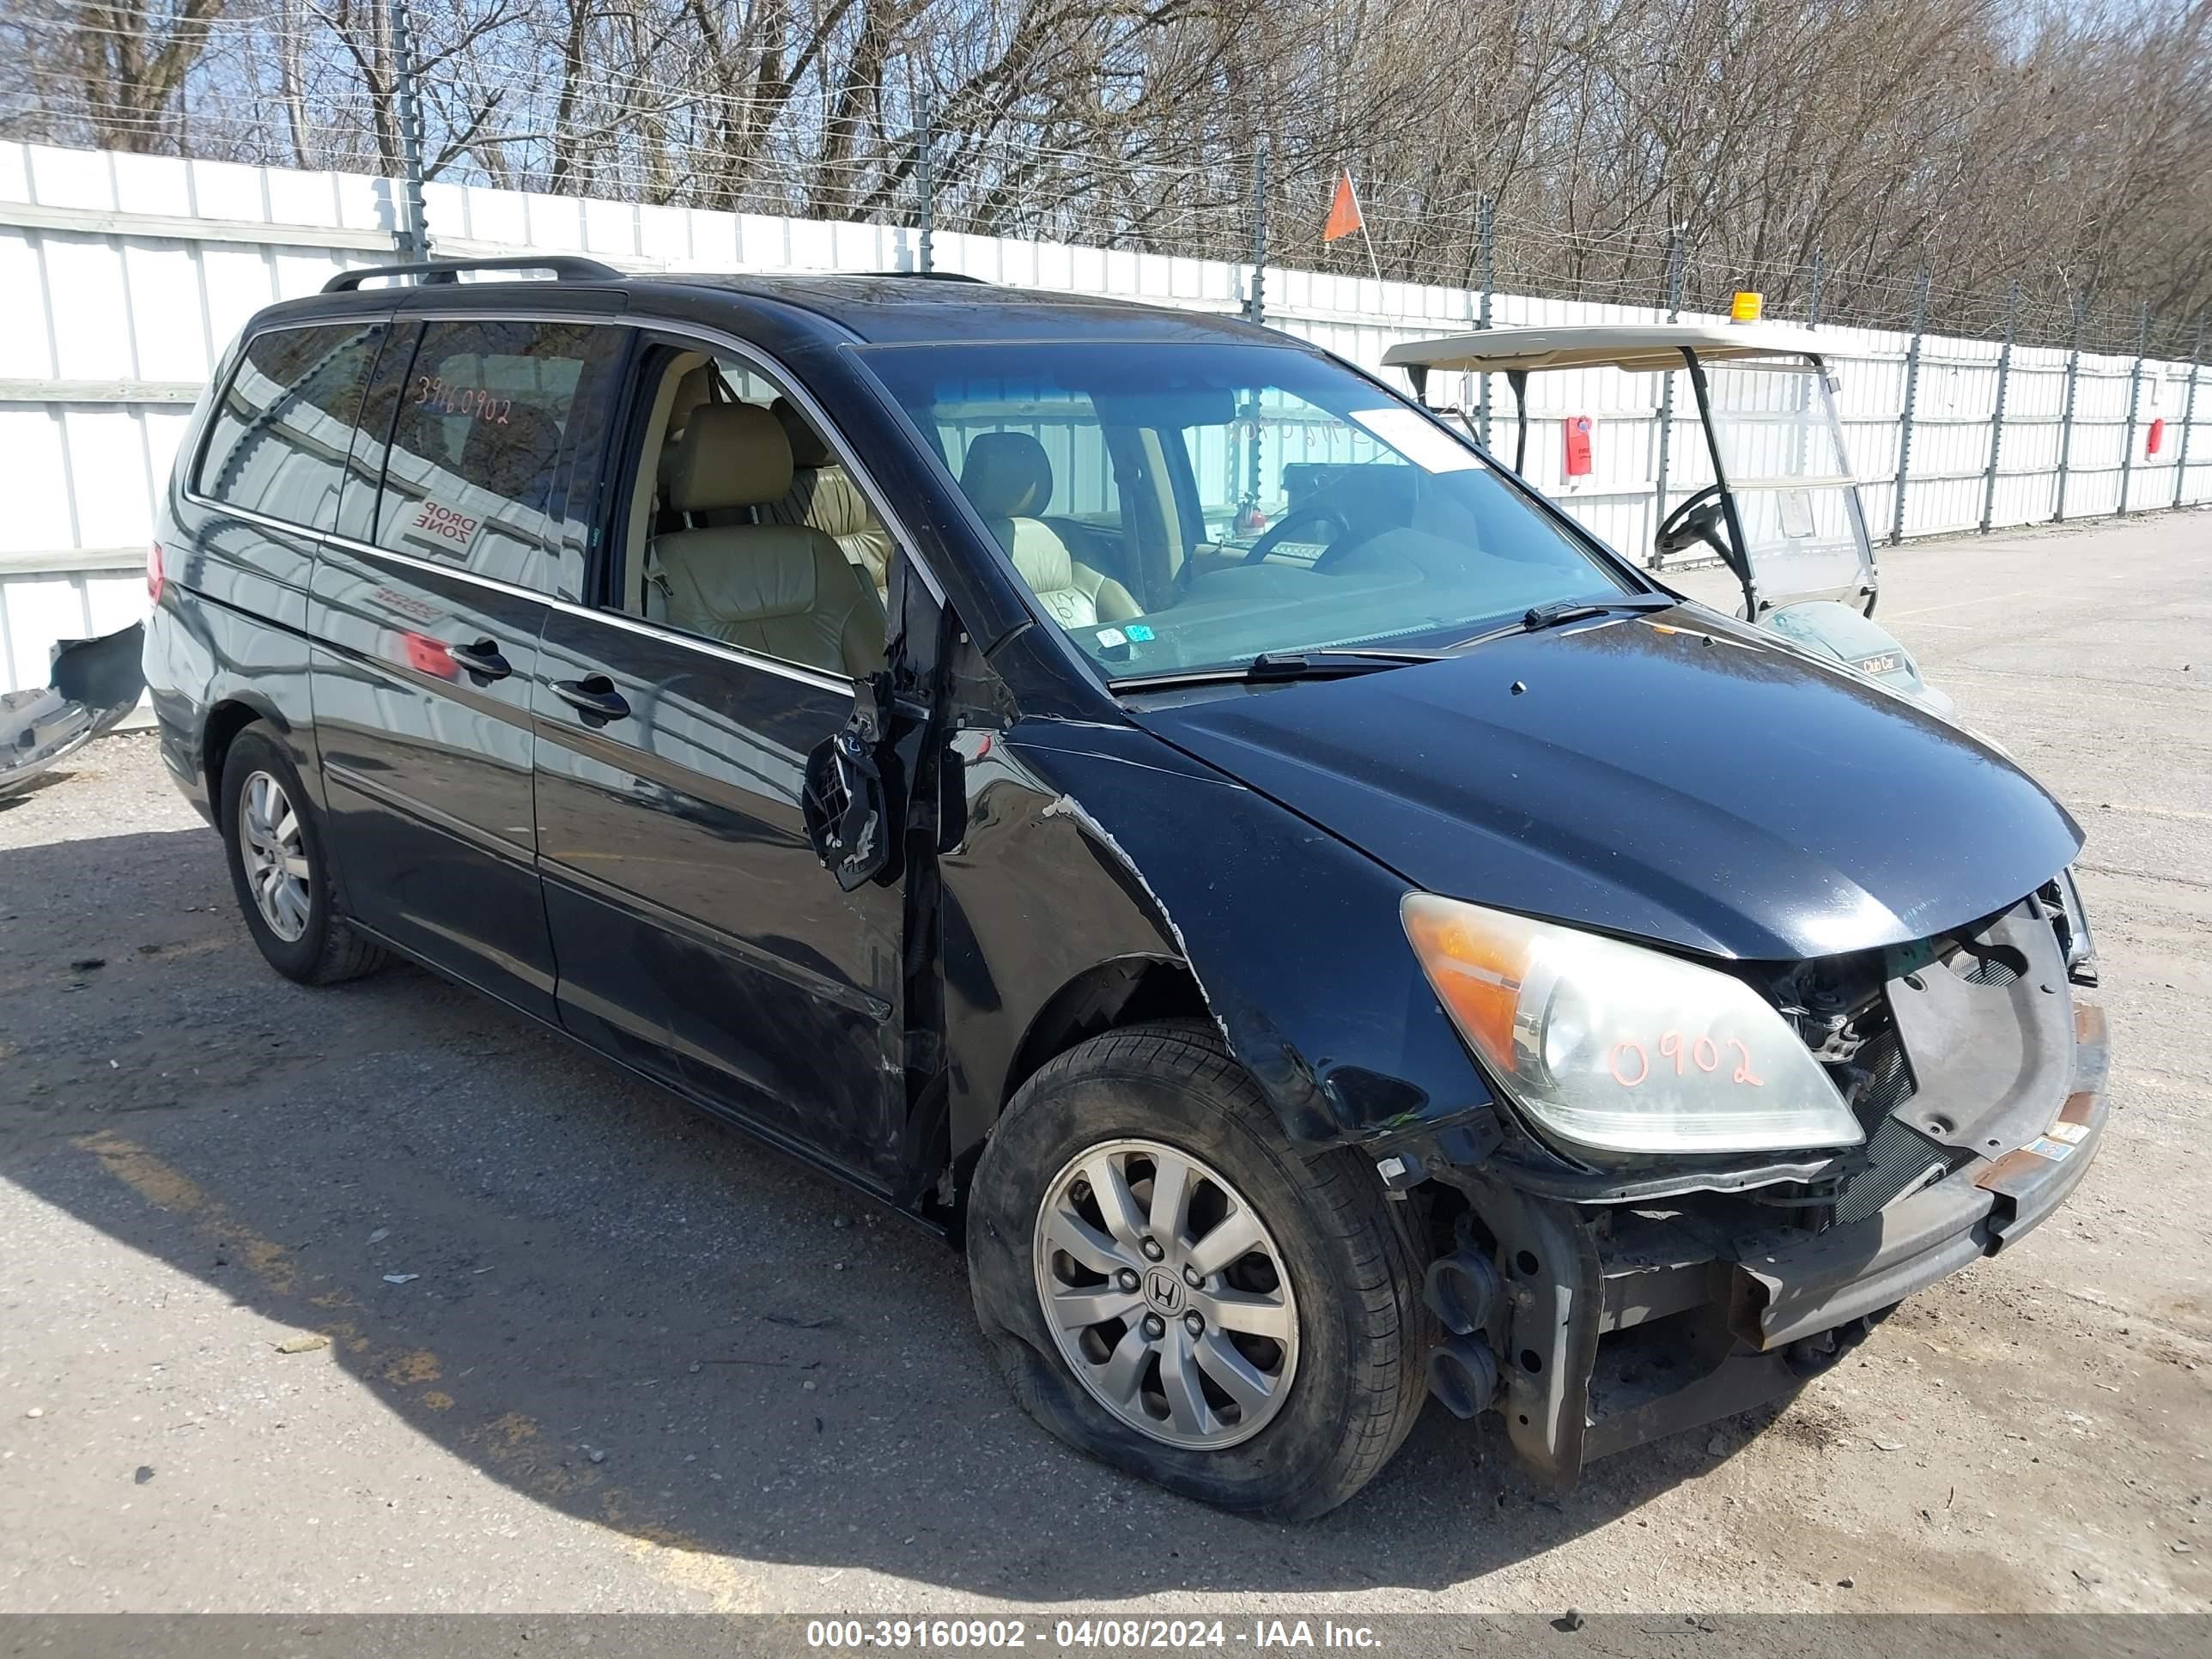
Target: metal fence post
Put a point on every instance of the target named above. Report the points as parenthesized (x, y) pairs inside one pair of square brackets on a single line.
[(1255, 301), (1819, 270), (414, 224), (2066, 420), (1996, 416), (1256, 311), (2135, 398), (2188, 415), (1912, 395), (1666, 392), (925, 176), (1486, 249)]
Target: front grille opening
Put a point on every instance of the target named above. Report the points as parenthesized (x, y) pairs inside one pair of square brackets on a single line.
[(1883, 1081), (1987, 965), (1840, 1007), (1900, 1160)]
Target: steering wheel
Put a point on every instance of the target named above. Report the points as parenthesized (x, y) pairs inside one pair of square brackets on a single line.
[(1696, 519), (1312, 512)]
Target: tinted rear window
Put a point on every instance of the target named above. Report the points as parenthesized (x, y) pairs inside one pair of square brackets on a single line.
[(476, 471), (278, 443)]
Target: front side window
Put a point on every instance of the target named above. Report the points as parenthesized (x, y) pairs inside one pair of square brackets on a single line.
[(743, 525), (477, 472), (279, 439), (1179, 508)]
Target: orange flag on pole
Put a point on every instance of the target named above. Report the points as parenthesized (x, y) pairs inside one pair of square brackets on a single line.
[(1343, 212)]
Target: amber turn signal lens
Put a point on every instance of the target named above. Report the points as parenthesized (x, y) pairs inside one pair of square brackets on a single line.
[(1475, 971)]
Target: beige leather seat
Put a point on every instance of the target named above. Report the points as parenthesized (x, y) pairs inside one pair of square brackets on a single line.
[(824, 498), (785, 590), (694, 389), (1008, 476)]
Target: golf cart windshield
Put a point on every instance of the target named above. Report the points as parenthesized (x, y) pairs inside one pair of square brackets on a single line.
[(1780, 449), (1770, 491)]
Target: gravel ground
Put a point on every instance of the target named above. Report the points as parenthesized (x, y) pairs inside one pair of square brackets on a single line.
[(583, 1350)]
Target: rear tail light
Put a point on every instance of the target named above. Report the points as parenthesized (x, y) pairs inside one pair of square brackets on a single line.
[(155, 580)]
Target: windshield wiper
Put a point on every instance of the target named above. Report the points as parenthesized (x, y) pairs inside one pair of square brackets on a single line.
[(1538, 617), (1270, 665), (1320, 665)]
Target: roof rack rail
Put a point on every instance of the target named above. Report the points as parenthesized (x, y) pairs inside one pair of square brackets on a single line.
[(927, 276), (567, 267)]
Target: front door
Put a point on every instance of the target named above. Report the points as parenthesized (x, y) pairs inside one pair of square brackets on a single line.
[(424, 617), (697, 934)]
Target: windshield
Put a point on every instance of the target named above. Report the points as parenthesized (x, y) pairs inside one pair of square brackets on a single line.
[(1177, 507), (1776, 432)]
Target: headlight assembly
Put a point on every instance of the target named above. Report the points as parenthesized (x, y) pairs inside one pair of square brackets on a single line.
[(1621, 1049)]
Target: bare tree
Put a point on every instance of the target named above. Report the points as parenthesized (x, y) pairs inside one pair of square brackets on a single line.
[(2066, 144)]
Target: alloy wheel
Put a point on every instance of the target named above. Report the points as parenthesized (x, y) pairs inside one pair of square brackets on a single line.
[(1166, 1294), (276, 869)]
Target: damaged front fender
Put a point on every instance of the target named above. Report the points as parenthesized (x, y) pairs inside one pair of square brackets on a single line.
[(1120, 848)]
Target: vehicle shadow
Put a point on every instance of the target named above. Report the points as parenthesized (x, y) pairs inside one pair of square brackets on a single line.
[(614, 1306), (19, 794)]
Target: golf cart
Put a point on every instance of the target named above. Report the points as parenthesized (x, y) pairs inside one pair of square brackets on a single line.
[(1782, 511)]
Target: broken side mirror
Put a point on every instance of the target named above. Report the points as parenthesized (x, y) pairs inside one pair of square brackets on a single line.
[(850, 800)]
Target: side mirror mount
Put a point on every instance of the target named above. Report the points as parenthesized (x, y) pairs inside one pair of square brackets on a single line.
[(849, 804)]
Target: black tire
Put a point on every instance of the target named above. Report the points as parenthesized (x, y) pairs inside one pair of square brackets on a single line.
[(326, 949), (1363, 1331)]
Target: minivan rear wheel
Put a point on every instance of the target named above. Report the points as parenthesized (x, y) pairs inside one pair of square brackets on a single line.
[(1168, 1288), (279, 868)]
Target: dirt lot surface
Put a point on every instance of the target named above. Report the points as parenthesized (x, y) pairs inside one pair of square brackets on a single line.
[(588, 1351)]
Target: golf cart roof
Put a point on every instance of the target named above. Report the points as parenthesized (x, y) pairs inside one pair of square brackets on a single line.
[(1637, 347)]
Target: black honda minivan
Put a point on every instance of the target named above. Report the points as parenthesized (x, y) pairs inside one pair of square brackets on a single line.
[(1141, 795)]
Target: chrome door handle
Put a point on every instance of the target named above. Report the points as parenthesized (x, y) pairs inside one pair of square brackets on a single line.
[(482, 660), (594, 696)]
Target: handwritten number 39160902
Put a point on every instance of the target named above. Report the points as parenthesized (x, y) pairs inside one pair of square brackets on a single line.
[(445, 397), (1630, 1062)]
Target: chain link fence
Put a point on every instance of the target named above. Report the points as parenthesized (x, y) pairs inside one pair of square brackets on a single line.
[(131, 272)]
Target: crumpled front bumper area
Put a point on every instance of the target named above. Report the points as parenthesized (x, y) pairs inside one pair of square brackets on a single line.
[(1619, 1325), (95, 683)]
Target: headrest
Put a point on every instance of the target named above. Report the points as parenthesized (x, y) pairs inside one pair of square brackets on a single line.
[(731, 455), (807, 449), (1006, 475), (696, 388)]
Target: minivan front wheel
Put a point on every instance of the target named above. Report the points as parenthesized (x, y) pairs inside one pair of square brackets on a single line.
[(1168, 1288), (278, 869)]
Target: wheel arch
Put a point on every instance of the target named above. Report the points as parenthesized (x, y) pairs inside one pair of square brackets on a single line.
[(1127, 990), (1104, 996), (229, 716)]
